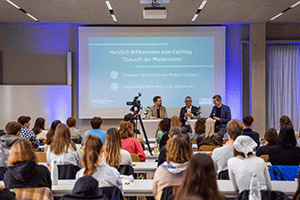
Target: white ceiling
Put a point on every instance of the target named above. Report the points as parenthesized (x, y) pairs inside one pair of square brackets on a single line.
[(130, 12)]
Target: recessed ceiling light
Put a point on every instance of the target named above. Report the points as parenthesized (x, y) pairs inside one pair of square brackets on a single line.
[(13, 4), (202, 4), (296, 4), (108, 5)]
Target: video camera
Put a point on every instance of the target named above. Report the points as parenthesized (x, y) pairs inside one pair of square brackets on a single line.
[(136, 104)]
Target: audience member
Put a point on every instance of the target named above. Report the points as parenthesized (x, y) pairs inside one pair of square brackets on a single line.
[(199, 129), (210, 137), (157, 111), (175, 121), (221, 155), (63, 149), (221, 113), (285, 121), (242, 166), (39, 128), (297, 193), (96, 123), (26, 133), (199, 179), (247, 122), (164, 127), (270, 139), (163, 141), (85, 187), (186, 113), (76, 135), (162, 157), (130, 144), (50, 134), (114, 155), (286, 152), (23, 170), (170, 173), (6, 141), (91, 160), (136, 132)]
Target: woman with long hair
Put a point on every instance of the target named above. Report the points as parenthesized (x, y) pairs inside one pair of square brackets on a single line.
[(242, 166), (286, 152), (23, 169), (39, 128), (210, 137), (92, 162), (170, 173), (130, 144), (199, 129), (270, 139), (285, 121), (63, 149), (175, 121), (199, 179), (114, 155), (164, 127), (50, 134)]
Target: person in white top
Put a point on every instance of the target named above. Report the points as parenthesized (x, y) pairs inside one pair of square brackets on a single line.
[(39, 128), (75, 133), (114, 155), (92, 162), (63, 150), (244, 164)]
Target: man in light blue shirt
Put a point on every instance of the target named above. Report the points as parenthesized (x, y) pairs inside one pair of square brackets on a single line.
[(96, 131)]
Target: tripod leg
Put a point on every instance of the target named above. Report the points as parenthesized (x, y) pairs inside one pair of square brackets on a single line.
[(145, 135)]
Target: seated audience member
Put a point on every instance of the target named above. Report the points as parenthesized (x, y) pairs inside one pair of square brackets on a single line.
[(75, 133), (6, 141), (170, 173), (221, 113), (96, 131), (85, 187), (199, 179), (270, 139), (39, 128), (297, 193), (50, 134), (23, 170), (114, 155), (130, 144), (157, 111), (92, 162), (175, 121), (164, 127), (221, 155), (242, 166), (210, 137), (136, 132), (286, 152), (247, 122), (285, 121), (163, 141), (63, 149), (26, 133), (162, 157), (199, 129)]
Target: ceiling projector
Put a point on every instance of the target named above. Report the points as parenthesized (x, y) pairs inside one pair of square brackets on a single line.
[(155, 12)]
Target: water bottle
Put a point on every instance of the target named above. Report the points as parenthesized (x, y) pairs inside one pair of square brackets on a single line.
[(54, 173), (254, 193), (155, 147)]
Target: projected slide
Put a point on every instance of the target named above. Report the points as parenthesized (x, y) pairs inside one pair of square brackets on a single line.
[(171, 67), (116, 63)]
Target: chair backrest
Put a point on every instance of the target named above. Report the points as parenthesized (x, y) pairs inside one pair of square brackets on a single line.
[(126, 170), (41, 156), (112, 193), (265, 157), (265, 195), (135, 158), (283, 172), (168, 191), (67, 171), (35, 193), (208, 147)]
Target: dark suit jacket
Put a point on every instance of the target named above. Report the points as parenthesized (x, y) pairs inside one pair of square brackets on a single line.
[(183, 110), (225, 114), (254, 135)]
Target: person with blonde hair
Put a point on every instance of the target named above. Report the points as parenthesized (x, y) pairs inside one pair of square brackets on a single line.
[(63, 149), (170, 173), (130, 144), (210, 137), (114, 155), (23, 170), (175, 121), (106, 176)]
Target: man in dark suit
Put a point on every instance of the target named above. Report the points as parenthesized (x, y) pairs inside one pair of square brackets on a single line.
[(187, 112), (221, 113)]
